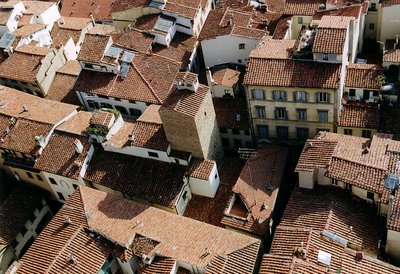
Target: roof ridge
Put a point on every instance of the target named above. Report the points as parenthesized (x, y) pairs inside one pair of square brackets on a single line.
[(359, 163), (147, 83)]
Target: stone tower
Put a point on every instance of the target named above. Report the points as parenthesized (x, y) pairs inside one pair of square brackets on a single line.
[(189, 120)]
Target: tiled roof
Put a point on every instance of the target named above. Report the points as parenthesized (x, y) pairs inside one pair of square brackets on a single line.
[(229, 22), (332, 209), (200, 168), (275, 264), (388, 3), (144, 75), (146, 135), (15, 212), (226, 111), (146, 22), (93, 47), (360, 116), (183, 8), (394, 216), (391, 56), (4, 16), (101, 118), (124, 5), (61, 36), (77, 124), (281, 27), (301, 7), (335, 22), (350, 11), (151, 115), (28, 30), (186, 101), (363, 76), (315, 154), (36, 7), (60, 157), (274, 49), (159, 265), (176, 231), (292, 73), (226, 77), (134, 39), (61, 89), (22, 136), (100, 9), (33, 50), (71, 67), (38, 109), (258, 186), (329, 41), (58, 241), (179, 50), (151, 180)]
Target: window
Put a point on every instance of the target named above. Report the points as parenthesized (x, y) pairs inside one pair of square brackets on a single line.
[(279, 95), (184, 196), (302, 114), (300, 96), (52, 181), (373, 7), (135, 112), (39, 177), (323, 116), (282, 132), (153, 154), (122, 110), (366, 133), (89, 66), (258, 94), (352, 92), (299, 20), (246, 132), (216, 176), (60, 196), (235, 131), (370, 195), (29, 174), (366, 94), (23, 230), (105, 105), (91, 104), (323, 129), (322, 97), (239, 60), (281, 113), (348, 131), (302, 133), (334, 182), (348, 186), (238, 143), (262, 131), (223, 130), (74, 186), (371, 26), (375, 93), (325, 57), (242, 46), (260, 112)]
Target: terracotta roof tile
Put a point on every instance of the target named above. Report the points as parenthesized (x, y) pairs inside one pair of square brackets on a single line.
[(183, 8), (162, 265), (15, 212), (124, 5), (146, 22), (363, 76), (61, 36), (258, 186), (77, 124), (274, 49), (362, 116), (51, 250), (350, 11), (315, 154), (186, 101), (37, 7), (392, 56), (61, 89), (281, 27), (226, 77), (154, 181), (329, 41), (60, 157), (200, 168), (226, 112), (275, 264), (93, 47), (71, 67), (101, 118), (292, 73), (301, 7), (335, 22), (151, 115), (5, 16), (329, 208), (28, 30), (100, 9), (134, 39), (388, 3), (38, 109)]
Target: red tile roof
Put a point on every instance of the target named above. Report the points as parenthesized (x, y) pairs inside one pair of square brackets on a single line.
[(274, 49), (301, 7), (77, 124), (359, 116), (61, 89), (332, 209), (388, 3), (351, 11), (226, 111), (60, 157), (292, 73), (151, 180), (93, 48), (363, 76), (200, 168), (315, 154), (258, 186), (100, 9), (329, 41), (134, 39)]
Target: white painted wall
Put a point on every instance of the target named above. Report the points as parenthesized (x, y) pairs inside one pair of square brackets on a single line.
[(12, 24), (42, 37), (306, 180), (322, 180), (208, 187), (225, 49), (393, 245), (389, 22), (48, 17), (70, 50), (182, 203), (140, 152)]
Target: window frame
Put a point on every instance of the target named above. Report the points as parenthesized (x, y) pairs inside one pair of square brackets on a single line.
[(323, 111), (260, 111), (301, 110)]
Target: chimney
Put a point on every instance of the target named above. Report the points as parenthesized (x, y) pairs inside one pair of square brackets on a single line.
[(210, 80), (131, 137)]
